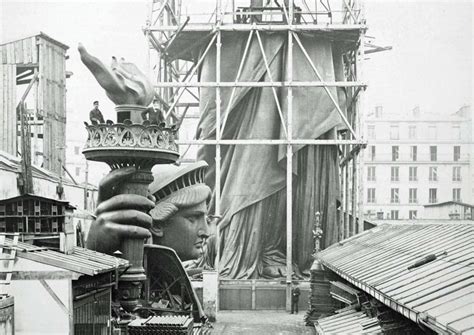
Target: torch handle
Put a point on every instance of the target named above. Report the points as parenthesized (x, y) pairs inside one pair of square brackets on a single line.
[(130, 283)]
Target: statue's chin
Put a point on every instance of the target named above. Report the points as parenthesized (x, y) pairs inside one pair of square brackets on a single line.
[(197, 252)]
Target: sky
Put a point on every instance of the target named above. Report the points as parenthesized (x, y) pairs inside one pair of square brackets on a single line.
[(429, 66), (431, 62)]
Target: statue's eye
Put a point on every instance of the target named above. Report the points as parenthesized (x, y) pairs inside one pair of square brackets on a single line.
[(192, 218)]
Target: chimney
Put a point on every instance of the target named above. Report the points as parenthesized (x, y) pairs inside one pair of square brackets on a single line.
[(378, 112), (67, 239), (416, 111)]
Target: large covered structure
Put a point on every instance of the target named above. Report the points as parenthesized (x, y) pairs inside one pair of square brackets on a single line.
[(274, 93)]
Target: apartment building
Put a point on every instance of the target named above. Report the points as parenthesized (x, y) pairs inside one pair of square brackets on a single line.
[(414, 160)]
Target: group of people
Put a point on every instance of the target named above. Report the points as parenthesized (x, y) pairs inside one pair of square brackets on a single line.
[(154, 114)]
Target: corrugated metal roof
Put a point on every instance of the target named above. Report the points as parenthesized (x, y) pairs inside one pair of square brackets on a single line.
[(81, 260), (348, 322), (439, 294)]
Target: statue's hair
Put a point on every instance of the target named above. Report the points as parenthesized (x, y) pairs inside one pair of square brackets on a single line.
[(182, 198)]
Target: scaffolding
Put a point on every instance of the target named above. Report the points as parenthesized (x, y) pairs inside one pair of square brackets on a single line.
[(173, 33)]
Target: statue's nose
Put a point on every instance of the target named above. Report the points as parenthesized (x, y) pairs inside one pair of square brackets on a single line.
[(203, 228)]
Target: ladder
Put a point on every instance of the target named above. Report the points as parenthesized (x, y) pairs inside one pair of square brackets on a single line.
[(7, 260)]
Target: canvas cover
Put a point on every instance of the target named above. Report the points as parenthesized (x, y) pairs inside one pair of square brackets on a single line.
[(253, 178)]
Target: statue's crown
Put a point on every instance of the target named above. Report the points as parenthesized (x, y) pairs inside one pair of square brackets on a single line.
[(171, 178)]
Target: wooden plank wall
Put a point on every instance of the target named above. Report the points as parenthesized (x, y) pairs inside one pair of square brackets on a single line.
[(11, 54), (52, 102), (51, 95), (8, 140)]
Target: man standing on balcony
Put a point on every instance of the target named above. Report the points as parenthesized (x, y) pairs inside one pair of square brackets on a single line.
[(95, 115)]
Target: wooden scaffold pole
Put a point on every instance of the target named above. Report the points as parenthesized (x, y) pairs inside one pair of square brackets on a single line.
[(360, 119), (218, 138), (289, 170)]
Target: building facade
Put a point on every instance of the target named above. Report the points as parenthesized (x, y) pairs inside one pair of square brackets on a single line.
[(416, 160)]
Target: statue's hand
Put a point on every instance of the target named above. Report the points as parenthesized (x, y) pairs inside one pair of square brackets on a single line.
[(123, 82), (118, 216)]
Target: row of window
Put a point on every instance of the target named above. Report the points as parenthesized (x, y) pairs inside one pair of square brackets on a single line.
[(412, 214), (412, 195), (414, 153), (394, 215), (412, 132), (413, 173)]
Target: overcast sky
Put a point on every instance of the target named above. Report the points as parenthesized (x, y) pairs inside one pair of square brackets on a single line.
[(430, 64)]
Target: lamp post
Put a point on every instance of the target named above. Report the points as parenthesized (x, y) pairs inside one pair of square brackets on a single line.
[(317, 233)]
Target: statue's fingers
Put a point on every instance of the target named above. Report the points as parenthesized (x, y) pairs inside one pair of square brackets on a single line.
[(129, 217), (126, 231), (152, 198), (125, 201), (112, 180), (135, 80), (105, 77)]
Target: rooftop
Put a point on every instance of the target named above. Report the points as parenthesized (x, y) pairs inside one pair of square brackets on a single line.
[(451, 202), (82, 261), (423, 271), (348, 322), (41, 35), (13, 164), (376, 222), (34, 196)]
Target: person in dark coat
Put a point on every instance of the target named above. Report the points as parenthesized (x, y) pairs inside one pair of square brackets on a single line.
[(95, 115), (295, 296), (154, 114)]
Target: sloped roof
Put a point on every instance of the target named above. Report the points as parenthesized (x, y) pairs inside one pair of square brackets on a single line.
[(41, 35), (348, 322), (81, 260), (34, 196), (448, 203), (438, 294), (376, 222), (13, 164)]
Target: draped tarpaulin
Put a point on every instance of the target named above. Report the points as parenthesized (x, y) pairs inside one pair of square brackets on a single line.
[(253, 177)]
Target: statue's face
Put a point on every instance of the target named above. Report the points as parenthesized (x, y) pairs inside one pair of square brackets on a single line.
[(186, 232)]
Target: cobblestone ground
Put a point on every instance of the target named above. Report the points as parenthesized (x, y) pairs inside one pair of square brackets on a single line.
[(260, 323)]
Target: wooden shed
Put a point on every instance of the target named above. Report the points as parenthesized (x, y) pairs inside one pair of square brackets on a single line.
[(58, 293), (41, 61)]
